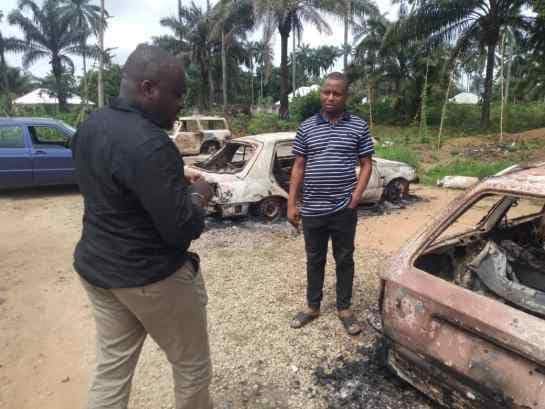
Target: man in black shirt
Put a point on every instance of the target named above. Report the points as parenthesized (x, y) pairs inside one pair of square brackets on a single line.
[(140, 215)]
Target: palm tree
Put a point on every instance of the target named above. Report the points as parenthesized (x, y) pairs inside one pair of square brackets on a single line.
[(7, 44), (85, 18), (192, 40), (288, 16), (48, 34), (264, 57), (233, 19), (348, 10), (466, 21)]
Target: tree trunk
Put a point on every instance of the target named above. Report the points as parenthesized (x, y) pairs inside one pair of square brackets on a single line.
[(485, 113), (211, 86), (85, 82), (502, 85), (261, 83), (346, 23), (57, 73), (293, 63), (444, 110), (283, 113), (509, 68), (224, 70), (252, 102), (6, 82), (370, 101), (101, 56)]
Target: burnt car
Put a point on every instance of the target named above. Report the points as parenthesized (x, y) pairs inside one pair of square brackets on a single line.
[(251, 176), (194, 135), (463, 304)]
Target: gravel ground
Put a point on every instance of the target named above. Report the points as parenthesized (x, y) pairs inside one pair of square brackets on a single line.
[(255, 277)]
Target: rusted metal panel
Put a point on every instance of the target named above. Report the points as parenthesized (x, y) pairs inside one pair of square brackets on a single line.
[(444, 330)]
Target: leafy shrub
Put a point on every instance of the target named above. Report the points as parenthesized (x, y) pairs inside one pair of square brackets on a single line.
[(304, 107), (398, 153), (464, 168), (264, 123)]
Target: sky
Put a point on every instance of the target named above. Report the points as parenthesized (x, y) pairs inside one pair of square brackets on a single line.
[(136, 21)]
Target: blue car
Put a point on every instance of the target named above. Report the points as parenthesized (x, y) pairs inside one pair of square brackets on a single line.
[(35, 152)]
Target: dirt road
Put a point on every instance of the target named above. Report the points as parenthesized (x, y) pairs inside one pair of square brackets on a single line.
[(255, 278)]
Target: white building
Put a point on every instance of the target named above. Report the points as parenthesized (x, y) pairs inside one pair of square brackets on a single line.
[(40, 96)]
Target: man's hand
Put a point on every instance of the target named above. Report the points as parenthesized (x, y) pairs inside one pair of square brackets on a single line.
[(293, 216), (354, 203), (192, 176), (203, 191)]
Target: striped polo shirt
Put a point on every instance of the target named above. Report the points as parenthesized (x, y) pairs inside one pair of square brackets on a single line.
[(332, 152)]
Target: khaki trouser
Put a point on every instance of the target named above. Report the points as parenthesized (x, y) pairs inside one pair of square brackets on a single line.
[(173, 312)]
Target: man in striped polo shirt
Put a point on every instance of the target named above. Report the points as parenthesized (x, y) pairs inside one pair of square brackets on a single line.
[(328, 148)]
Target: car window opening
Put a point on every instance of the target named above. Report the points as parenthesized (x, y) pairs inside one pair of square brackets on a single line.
[(282, 165), (231, 159), (501, 256), (214, 125)]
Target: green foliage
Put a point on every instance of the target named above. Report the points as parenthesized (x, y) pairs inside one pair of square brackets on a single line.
[(264, 123), (304, 107), (479, 169), (399, 153), (111, 77)]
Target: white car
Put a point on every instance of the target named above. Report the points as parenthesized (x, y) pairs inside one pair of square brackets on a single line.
[(251, 175)]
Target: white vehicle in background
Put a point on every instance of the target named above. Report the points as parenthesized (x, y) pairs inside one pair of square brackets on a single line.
[(194, 135), (251, 175)]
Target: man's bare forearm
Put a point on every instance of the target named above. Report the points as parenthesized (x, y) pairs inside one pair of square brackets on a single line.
[(296, 180), (366, 167)]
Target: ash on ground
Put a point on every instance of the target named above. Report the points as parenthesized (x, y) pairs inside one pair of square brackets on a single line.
[(254, 223), (364, 382)]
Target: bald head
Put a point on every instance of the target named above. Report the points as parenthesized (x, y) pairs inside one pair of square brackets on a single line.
[(153, 80)]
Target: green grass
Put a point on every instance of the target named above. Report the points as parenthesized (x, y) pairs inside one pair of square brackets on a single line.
[(464, 168), (399, 153)]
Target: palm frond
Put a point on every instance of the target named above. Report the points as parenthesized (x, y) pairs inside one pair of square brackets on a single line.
[(32, 55)]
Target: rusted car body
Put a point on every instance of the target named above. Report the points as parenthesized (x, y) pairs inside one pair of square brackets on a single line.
[(251, 175), (194, 135), (463, 304)]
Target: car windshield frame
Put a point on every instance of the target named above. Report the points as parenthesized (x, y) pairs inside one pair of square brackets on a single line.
[(207, 163)]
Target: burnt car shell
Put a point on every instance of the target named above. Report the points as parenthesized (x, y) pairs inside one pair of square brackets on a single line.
[(465, 347)]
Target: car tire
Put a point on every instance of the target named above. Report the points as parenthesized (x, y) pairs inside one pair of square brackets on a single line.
[(271, 208), (396, 190), (209, 148)]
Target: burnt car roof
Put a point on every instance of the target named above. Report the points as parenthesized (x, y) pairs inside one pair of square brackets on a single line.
[(523, 179)]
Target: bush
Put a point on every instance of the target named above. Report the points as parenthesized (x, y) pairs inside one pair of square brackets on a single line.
[(265, 123), (398, 153), (304, 107), (73, 117), (464, 168)]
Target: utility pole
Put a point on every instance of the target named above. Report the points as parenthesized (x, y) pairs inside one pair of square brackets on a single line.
[(101, 57)]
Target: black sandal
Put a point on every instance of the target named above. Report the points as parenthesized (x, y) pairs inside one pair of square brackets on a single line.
[(302, 318), (350, 324)]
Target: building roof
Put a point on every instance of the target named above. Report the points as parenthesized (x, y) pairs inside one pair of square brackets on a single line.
[(465, 98), (40, 96)]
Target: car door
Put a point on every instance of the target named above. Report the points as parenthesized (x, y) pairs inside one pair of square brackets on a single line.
[(15, 157), (51, 155)]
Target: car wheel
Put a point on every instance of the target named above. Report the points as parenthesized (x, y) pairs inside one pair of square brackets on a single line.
[(396, 190), (272, 208), (209, 148)]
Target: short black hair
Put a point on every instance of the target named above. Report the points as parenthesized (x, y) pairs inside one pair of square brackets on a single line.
[(148, 62), (339, 76)]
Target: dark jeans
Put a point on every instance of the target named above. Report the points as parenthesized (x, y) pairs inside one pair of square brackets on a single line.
[(341, 227)]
